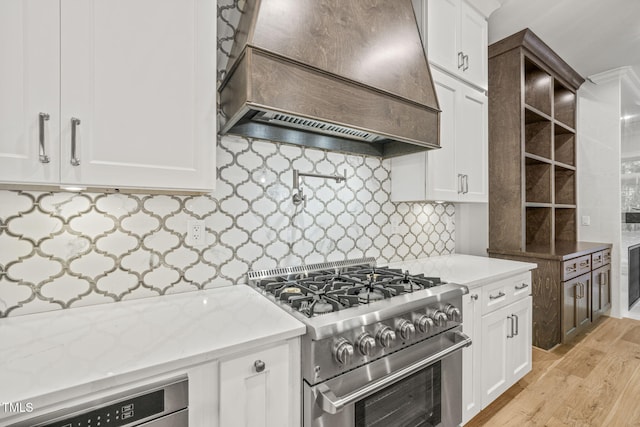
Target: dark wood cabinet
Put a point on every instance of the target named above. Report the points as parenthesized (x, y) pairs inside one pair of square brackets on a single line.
[(600, 284), (532, 185), (576, 308)]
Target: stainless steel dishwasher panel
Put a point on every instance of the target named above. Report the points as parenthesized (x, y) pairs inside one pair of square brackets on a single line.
[(160, 404)]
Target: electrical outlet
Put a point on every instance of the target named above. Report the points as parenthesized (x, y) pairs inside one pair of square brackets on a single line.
[(196, 233), (586, 220)]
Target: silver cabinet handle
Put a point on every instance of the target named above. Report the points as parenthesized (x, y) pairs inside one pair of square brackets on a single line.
[(74, 158), (460, 185), (511, 320), (466, 183), (474, 297), (602, 277), (517, 323), (572, 269), (460, 60), (329, 402), (42, 117), (521, 287), (577, 291), (500, 295), (259, 365), (466, 63), (584, 264)]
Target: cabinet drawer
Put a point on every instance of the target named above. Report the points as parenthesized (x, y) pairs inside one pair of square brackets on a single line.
[(504, 292), (597, 259), (575, 267)]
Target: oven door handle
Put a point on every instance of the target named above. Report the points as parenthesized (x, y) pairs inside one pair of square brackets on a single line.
[(332, 404)]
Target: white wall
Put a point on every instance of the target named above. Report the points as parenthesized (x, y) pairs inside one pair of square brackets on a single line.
[(598, 163)]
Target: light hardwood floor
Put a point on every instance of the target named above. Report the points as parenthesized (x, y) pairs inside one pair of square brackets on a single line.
[(594, 381)]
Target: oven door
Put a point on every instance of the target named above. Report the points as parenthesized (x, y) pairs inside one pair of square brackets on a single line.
[(418, 386)]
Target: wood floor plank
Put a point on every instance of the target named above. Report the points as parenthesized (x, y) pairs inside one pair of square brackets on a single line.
[(593, 381), (626, 412)]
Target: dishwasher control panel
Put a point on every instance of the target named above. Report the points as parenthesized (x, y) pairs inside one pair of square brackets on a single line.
[(162, 403), (117, 414)]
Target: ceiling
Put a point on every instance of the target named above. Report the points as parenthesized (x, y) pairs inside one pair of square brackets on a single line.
[(592, 36)]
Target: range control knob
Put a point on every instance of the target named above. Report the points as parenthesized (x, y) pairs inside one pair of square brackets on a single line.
[(425, 324), (366, 344), (453, 313), (342, 351), (386, 336), (439, 318), (406, 329)]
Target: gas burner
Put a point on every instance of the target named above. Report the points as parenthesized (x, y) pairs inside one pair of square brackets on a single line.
[(324, 291)]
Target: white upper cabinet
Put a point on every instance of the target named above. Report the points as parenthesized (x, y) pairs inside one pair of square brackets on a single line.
[(29, 87), (457, 172), (130, 93), (456, 39)]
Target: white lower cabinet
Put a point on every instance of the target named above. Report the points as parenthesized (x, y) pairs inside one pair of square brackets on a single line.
[(261, 388), (471, 391), (497, 316)]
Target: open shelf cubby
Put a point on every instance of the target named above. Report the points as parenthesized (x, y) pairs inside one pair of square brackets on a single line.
[(564, 145), (564, 102), (565, 224), (537, 87), (565, 186), (538, 226), (537, 181), (537, 138)]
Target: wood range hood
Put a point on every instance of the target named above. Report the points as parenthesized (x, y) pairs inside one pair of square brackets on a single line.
[(347, 76)]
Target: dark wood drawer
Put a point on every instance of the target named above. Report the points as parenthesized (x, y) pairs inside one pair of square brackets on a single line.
[(597, 259), (575, 267)]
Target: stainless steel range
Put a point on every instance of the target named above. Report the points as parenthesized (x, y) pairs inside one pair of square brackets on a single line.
[(382, 348)]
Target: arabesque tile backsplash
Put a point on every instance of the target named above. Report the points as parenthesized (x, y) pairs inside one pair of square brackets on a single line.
[(61, 250)]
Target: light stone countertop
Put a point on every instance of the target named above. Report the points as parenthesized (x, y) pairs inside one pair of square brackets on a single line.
[(466, 270), (48, 357)]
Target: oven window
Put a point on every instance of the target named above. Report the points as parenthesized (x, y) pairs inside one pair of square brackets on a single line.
[(412, 402)]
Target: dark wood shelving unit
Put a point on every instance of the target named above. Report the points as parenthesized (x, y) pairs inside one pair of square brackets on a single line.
[(533, 177)]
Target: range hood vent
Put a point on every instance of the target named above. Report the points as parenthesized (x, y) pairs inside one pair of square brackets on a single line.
[(348, 76), (316, 126)]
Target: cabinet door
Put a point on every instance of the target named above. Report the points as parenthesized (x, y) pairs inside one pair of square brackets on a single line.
[(496, 327), (600, 291), (140, 77), (473, 44), (443, 179), (29, 85), (519, 362), (471, 356), (251, 396), (443, 32), (576, 307), (472, 145)]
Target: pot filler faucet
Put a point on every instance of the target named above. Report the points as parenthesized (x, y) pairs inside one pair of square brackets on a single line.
[(298, 195)]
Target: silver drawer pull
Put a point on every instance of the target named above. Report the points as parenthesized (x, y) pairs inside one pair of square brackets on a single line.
[(572, 269), (500, 295), (474, 297), (521, 287), (42, 117), (584, 264), (512, 334), (74, 158)]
